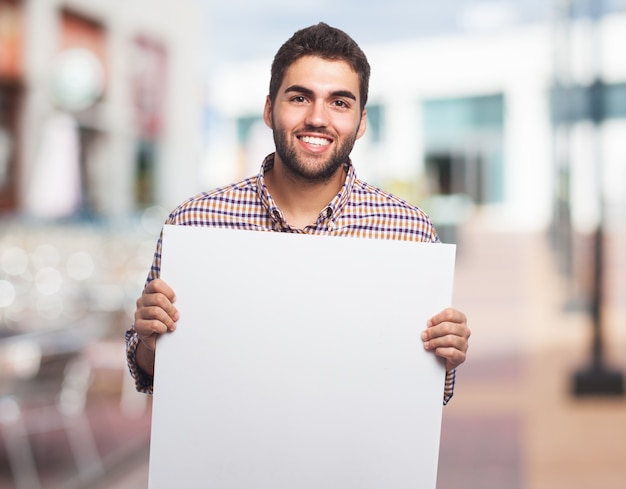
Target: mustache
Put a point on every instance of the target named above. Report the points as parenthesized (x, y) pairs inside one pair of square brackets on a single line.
[(318, 130)]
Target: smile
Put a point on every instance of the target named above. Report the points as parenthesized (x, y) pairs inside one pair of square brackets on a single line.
[(316, 141)]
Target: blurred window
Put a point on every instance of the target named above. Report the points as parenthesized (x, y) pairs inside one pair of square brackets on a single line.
[(375, 121), (615, 101), (464, 139), (576, 102), (244, 127), (569, 103), (145, 169)]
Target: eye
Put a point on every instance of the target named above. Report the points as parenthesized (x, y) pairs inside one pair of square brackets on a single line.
[(341, 104), (299, 99)]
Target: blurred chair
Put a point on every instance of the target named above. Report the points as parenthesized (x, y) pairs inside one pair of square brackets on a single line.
[(52, 400)]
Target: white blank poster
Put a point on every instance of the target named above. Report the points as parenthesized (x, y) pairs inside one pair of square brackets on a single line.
[(298, 363)]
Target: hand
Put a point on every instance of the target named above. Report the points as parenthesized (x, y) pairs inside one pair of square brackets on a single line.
[(155, 313), (447, 335)]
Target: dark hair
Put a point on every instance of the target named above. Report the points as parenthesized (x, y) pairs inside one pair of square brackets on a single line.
[(325, 42)]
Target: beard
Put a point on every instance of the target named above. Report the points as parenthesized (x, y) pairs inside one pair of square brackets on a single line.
[(323, 167)]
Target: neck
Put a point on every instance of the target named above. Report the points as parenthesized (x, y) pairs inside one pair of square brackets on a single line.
[(300, 200)]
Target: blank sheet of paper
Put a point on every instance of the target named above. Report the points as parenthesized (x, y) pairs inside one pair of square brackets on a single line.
[(298, 363)]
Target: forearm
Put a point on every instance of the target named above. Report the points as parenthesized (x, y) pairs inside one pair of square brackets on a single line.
[(142, 374), (449, 386), (144, 358)]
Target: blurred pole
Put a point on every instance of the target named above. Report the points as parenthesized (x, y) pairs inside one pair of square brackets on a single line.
[(561, 230), (596, 378)]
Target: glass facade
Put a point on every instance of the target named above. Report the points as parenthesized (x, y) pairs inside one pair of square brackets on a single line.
[(464, 146), (375, 121), (244, 127), (578, 102)]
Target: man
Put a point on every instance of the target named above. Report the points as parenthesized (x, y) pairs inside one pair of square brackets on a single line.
[(316, 110)]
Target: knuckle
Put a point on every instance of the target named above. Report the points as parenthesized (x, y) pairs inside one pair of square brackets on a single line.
[(449, 314), (156, 326), (158, 315), (446, 329), (161, 301)]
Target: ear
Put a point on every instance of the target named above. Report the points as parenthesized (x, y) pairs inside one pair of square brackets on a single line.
[(267, 113), (362, 124)]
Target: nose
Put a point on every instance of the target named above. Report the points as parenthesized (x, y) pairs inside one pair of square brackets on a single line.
[(317, 115)]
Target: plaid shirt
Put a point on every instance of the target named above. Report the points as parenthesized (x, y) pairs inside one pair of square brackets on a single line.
[(358, 210)]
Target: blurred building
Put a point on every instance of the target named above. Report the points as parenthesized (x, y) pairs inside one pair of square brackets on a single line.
[(100, 105), (486, 122), (101, 117)]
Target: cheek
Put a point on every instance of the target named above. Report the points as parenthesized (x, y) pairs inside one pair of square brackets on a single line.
[(287, 118), (348, 127)]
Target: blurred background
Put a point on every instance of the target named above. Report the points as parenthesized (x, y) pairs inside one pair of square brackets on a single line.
[(504, 120)]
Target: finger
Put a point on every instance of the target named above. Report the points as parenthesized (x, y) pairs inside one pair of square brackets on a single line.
[(158, 286), (452, 356), (449, 315), (154, 319), (149, 329), (148, 304), (159, 300), (448, 341), (446, 329)]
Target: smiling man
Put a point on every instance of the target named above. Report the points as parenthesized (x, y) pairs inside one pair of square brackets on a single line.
[(316, 108), (316, 117)]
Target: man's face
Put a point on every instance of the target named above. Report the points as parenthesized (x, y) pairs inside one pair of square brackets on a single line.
[(316, 117)]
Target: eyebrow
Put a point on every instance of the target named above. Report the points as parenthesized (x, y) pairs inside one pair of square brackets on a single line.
[(308, 91)]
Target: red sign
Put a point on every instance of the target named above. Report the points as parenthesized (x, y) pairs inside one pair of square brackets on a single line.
[(11, 40), (149, 71)]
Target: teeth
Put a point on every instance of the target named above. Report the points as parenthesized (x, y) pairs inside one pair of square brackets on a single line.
[(316, 141)]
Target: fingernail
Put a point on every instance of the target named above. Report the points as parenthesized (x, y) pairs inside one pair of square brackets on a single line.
[(426, 345)]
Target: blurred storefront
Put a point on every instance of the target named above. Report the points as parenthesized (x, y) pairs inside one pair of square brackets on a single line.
[(100, 129), (11, 90), (96, 100)]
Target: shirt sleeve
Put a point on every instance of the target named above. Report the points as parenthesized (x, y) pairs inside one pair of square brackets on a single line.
[(448, 390), (143, 382)]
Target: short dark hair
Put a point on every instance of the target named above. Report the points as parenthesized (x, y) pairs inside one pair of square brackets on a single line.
[(325, 42)]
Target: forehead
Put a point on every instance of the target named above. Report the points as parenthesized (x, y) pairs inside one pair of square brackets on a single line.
[(321, 74)]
